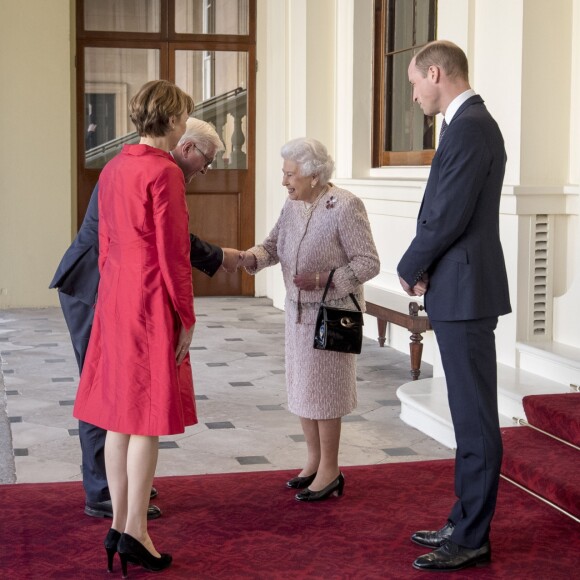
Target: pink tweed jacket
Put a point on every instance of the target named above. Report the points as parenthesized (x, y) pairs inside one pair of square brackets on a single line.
[(335, 234)]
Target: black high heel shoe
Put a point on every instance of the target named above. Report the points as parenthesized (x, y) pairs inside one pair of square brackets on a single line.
[(131, 550), (111, 541), (300, 482), (334, 487)]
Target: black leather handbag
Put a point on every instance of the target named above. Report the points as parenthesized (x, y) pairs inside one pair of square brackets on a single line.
[(338, 329)]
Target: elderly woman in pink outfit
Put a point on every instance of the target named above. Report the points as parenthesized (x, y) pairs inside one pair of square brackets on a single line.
[(321, 228)]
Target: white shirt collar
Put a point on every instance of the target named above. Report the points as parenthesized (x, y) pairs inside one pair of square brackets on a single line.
[(456, 103)]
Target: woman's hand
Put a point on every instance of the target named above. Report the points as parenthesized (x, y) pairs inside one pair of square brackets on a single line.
[(183, 343), (248, 260), (311, 280)]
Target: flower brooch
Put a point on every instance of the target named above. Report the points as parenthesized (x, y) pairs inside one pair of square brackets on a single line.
[(331, 202)]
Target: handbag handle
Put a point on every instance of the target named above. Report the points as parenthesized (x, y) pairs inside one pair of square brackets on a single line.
[(328, 286)]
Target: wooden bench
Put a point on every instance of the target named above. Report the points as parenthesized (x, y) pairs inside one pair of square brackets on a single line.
[(405, 312)]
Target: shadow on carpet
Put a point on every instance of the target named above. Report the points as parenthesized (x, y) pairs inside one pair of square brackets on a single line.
[(248, 525)]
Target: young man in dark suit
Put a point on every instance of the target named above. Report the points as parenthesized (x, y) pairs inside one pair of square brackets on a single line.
[(456, 261), (77, 278)]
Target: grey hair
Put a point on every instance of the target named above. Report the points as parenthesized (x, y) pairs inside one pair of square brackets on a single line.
[(203, 134), (311, 157)]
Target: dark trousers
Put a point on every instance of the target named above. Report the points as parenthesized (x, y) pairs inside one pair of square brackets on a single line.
[(469, 360), (79, 319)]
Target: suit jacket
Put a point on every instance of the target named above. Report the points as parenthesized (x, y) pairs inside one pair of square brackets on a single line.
[(457, 239), (78, 272)]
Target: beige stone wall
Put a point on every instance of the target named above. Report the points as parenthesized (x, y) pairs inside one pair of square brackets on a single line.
[(36, 162)]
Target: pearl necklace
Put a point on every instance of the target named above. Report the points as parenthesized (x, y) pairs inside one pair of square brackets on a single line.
[(309, 208)]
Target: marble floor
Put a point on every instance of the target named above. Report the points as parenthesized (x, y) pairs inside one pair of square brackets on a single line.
[(238, 366)]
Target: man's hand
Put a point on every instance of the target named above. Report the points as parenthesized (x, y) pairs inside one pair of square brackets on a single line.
[(422, 285), (183, 343), (419, 289), (232, 259), (406, 287)]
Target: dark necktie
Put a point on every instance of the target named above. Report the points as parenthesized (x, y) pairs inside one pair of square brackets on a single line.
[(443, 129)]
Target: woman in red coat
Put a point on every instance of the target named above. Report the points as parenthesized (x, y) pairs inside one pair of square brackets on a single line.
[(136, 381)]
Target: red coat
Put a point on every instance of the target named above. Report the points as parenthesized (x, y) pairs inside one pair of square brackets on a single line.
[(130, 381)]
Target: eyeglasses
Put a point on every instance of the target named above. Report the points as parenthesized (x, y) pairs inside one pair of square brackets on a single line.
[(208, 160)]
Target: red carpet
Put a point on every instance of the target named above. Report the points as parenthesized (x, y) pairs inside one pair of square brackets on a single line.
[(544, 465), (540, 463), (556, 414), (249, 526)]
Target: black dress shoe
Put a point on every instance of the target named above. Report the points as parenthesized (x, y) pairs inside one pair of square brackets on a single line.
[(104, 509), (335, 487), (434, 539), (452, 556), (153, 512), (153, 492), (300, 482)]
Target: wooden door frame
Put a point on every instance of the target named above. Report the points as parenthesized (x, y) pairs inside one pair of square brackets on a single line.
[(167, 41)]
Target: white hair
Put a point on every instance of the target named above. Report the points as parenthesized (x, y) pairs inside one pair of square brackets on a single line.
[(203, 134), (311, 157)]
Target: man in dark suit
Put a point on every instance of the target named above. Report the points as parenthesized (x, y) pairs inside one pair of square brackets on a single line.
[(456, 261), (77, 278)]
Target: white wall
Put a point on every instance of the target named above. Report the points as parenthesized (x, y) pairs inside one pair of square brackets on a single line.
[(295, 98), (546, 97), (523, 57), (567, 283), (35, 151), (270, 132)]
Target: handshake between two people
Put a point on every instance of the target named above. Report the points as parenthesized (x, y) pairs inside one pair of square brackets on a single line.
[(236, 259)]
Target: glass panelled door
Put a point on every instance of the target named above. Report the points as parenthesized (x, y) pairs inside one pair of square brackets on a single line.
[(207, 47)]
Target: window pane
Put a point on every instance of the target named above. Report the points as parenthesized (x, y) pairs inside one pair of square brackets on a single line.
[(403, 29), (424, 22), (122, 15), (112, 77), (405, 131), (211, 16), (402, 109), (411, 130), (217, 81)]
